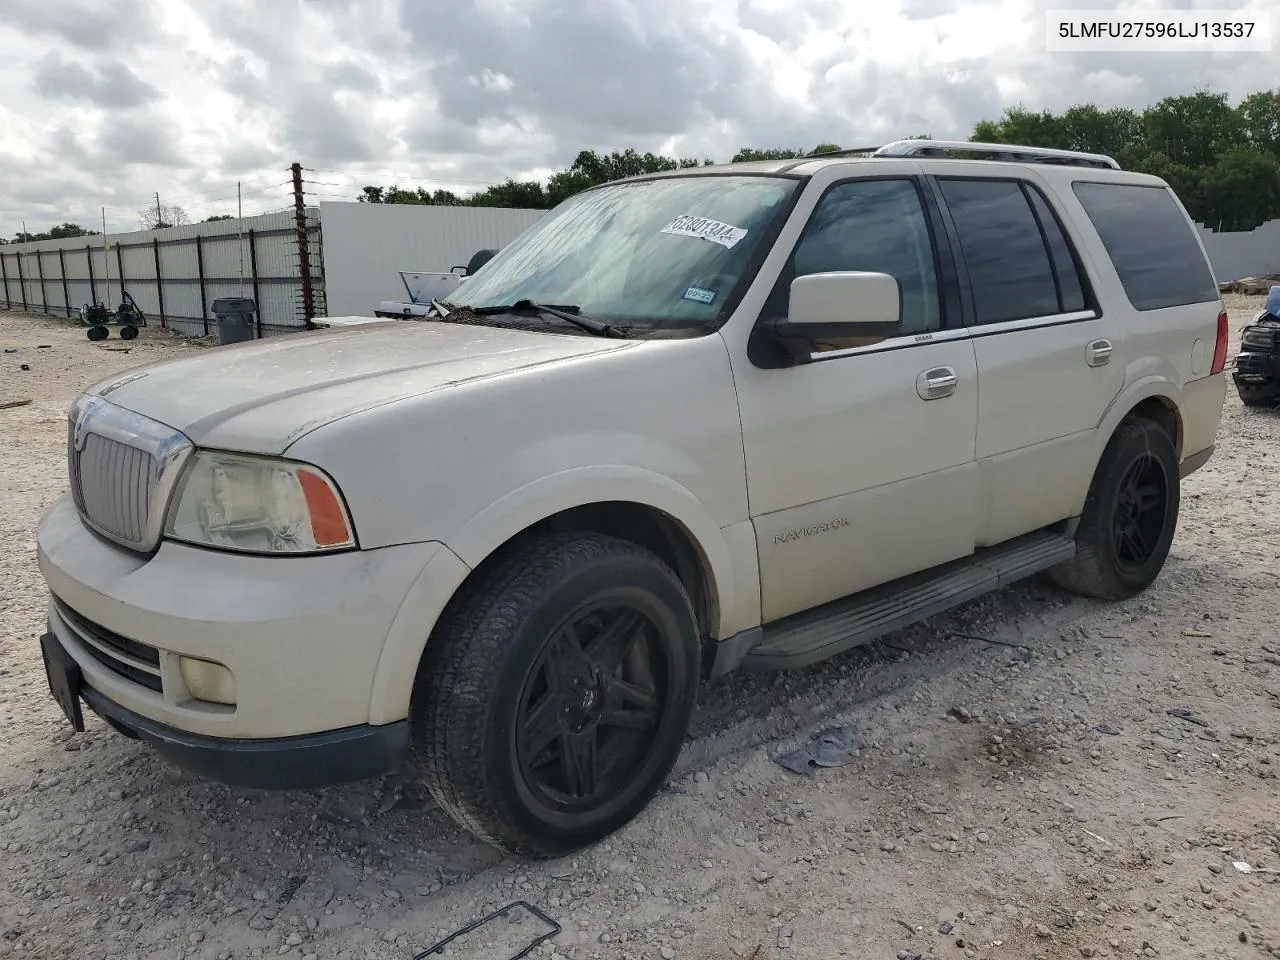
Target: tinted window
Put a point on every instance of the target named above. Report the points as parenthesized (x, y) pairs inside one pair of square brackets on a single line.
[(1151, 244), (1009, 267), (877, 226), (1070, 289)]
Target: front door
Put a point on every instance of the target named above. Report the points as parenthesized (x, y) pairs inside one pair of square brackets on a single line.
[(860, 464)]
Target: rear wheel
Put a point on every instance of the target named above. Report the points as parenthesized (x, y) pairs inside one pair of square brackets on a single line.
[(556, 692), (1258, 394), (1129, 517), (128, 332), (98, 332)]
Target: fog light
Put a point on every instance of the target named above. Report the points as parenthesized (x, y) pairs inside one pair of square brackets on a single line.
[(209, 681)]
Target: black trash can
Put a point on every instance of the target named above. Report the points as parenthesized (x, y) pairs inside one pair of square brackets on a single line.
[(235, 318)]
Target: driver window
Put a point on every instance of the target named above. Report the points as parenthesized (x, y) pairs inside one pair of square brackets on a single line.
[(877, 226)]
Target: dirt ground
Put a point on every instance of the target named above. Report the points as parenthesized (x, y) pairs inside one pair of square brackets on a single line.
[(1037, 776)]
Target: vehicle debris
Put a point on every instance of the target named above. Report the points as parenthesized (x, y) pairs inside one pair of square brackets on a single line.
[(832, 747)]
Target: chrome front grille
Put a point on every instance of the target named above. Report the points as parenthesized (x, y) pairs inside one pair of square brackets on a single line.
[(1261, 339), (122, 467), (113, 484)]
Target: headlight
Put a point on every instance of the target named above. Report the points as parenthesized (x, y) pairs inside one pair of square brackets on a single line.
[(258, 505)]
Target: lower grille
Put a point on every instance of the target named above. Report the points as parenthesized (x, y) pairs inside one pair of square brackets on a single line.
[(130, 659)]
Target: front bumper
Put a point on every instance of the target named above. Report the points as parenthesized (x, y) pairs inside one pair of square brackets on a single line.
[(1256, 367), (310, 760), (302, 638)]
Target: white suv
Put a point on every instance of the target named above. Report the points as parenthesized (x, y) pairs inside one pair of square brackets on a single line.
[(737, 416)]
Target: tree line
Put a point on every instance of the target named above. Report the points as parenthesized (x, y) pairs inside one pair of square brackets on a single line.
[(1222, 160)]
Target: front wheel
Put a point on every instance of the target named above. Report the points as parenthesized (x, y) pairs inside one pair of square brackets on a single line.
[(1129, 517), (556, 692)]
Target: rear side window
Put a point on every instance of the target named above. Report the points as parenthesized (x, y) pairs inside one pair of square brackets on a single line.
[(1151, 244), (1010, 272)]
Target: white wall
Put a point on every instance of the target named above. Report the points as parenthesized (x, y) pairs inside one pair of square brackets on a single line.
[(366, 245), (1252, 253)]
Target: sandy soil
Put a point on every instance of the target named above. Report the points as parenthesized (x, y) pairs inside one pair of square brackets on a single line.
[(1021, 788)]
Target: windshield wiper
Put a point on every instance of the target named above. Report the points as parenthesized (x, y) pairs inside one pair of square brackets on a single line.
[(568, 313)]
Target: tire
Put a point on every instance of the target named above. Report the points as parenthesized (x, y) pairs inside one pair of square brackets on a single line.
[(128, 332), (98, 332), (511, 709), (1121, 550), (1258, 394)]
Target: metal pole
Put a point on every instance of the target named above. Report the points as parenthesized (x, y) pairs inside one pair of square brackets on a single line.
[(159, 213), (106, 260), (240, 228), (304, 256), (22, 281), (93, 283), (120, 269), (4, 272), (66, 290), (204, 309), (155, 249), (253, 267), (44, 291)]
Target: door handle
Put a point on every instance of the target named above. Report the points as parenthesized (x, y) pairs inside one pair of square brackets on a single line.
[(937, 383), (1098, 353)]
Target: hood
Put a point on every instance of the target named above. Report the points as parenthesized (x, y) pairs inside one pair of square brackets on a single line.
[(261, 396)]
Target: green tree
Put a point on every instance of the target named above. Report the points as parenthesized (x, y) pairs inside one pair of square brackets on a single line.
[(62, 231), (1194, 130), (1025, 127), (218, 217), (752, 154), (1260, 120), (1242, 190)]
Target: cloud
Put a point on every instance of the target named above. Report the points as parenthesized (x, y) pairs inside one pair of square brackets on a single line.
[(109, 85), (117, 99), (95, 25)]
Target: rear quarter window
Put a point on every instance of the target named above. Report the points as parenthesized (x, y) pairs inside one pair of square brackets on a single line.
[(1150, 242)]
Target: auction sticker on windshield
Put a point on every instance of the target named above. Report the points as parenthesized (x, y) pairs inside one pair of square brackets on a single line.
[(725, 234)]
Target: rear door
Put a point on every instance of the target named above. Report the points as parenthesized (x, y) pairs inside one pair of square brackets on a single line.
[(1050, 361), (1156, 277)]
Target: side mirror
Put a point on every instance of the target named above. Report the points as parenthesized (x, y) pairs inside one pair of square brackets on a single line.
[(844, 304)]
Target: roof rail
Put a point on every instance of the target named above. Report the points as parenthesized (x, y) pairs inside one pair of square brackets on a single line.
[(996, 151), (846, 152)]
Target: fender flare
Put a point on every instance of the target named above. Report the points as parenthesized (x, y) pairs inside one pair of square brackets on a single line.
[(1147, 388), (506, 518)]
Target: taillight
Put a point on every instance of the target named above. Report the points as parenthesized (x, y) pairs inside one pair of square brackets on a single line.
[(1220, 347)]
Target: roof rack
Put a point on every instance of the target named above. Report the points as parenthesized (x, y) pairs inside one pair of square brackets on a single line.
[(995, 151), (846, 152)]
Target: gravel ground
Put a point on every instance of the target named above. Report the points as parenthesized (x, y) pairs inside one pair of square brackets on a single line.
[(1034, 776)]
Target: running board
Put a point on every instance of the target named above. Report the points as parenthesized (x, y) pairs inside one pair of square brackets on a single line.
[(806, 638)]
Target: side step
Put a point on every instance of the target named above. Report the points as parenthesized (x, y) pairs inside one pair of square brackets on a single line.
[(811, 636)]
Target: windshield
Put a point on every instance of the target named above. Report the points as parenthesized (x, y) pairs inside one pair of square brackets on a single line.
[(652, 253)]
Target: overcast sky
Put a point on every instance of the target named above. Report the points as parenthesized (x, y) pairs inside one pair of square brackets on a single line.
[(104, 102)]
